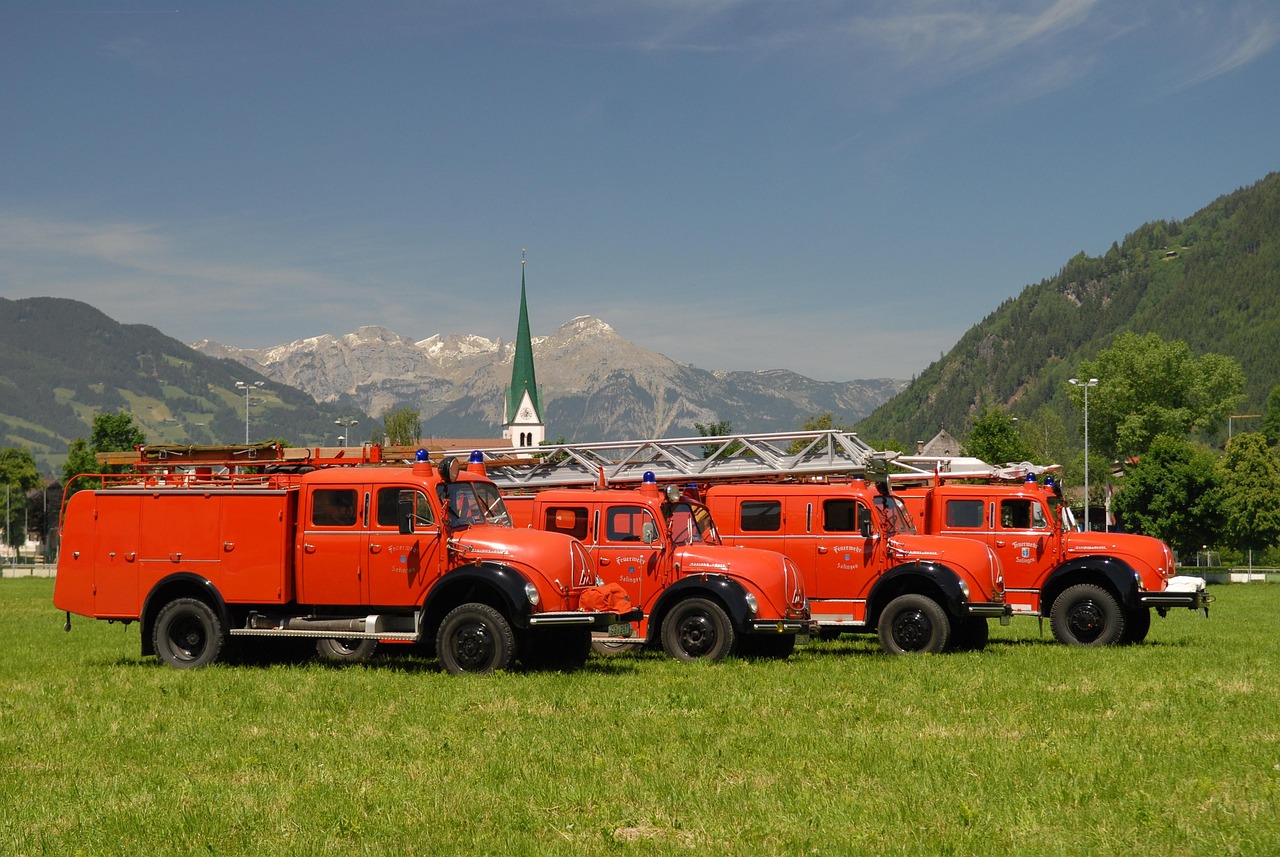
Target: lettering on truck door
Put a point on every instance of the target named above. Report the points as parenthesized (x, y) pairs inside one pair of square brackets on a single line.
[(402, 568), (842, 561), (332, 564)]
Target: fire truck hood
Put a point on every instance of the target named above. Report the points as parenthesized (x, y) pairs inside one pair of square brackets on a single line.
[(486, 541), (957, 552), (718, 559)]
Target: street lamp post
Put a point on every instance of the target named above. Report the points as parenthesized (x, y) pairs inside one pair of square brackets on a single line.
[(248, 388), (343, 440), (1092, 382)]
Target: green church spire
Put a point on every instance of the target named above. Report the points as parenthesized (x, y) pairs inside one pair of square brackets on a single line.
[(522, 375)]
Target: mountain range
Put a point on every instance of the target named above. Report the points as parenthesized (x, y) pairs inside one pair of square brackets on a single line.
[(595, 385)]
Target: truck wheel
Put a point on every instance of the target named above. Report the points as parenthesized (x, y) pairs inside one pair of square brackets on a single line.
[(1086, 615), (697, 629), (970, 634), (188, 634), (556, 648), (475, 638), (914, 623), (345, 650), (1136, 625)]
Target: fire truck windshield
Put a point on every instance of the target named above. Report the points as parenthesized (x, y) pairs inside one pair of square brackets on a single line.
[(690, 523), (894, 514), (475, 503)]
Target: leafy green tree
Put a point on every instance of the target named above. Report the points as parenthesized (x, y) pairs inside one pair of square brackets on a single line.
[(995, 439), (402, 427), (18, 475), (1173, 493), (110, 433), (720, 428), (1148, 386), (1271, 417), (1250, 477), (1045, 437), (115, 433)]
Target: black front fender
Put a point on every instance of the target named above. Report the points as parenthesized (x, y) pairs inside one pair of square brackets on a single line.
[(1115, 574), (486, 582), (926, 578), (725, 590)]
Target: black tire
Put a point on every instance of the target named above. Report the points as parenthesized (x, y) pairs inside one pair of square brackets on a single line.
[(345, 650), (475, 638), (914, 624), (610, 649), (188, 634), (1136, 625), (1087, 615), (697, 629), (970, 634), (767, 646), (556, 648)]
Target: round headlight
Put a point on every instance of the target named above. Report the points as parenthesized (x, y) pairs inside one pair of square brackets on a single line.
[(531, 592), (752, 604)]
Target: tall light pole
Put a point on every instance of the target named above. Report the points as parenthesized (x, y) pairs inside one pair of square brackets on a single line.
[(347, 424), (248, 388), (1092, 382)]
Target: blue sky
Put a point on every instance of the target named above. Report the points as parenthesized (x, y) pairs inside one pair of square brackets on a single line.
[(840, 189)]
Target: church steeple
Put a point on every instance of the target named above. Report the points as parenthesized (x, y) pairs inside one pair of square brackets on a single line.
[(522, 411)]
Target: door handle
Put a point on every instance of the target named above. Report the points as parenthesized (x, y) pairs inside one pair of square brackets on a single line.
[(375, 548), (604, 560), (821, 549), (999, 543), (308, 547)]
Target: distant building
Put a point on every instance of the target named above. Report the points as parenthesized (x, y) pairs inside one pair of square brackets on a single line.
[(943, 444), (522, 421)]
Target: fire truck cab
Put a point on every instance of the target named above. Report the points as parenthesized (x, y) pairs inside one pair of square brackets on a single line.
[(1096, 588), (866, 569), (701, 600)]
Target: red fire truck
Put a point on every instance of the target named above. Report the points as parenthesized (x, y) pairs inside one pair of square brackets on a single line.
[(333, 545), (701, 601), (1096, 588), (864, 567)]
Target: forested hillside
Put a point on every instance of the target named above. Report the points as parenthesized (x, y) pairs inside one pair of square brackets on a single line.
[(62, 362), (1212, 280)]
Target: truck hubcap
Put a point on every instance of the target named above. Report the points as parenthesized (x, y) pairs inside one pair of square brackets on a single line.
[(697, 635), (1086, 621), (912, 630), (473, 646)]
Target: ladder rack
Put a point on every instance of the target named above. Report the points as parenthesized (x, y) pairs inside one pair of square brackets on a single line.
[(772, 456)]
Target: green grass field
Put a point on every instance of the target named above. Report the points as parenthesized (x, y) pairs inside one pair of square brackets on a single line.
[(1171, 747)]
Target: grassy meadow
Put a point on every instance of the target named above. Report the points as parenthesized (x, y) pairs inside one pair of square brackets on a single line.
[(1171, 747)]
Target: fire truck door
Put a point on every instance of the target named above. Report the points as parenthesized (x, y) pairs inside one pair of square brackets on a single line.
[(332, 562), (402, 568), (623, 556), (842, 559), (1021, 535)]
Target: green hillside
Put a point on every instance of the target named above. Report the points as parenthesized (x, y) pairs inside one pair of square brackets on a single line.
[(62, 362), (1212, 280)]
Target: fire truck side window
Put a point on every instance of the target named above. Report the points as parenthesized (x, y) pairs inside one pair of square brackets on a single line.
[(964, 513), (568, 520), (840, 516), (1015, 514), (625, 523), (388, 508), (761, 516), (333, 507)]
